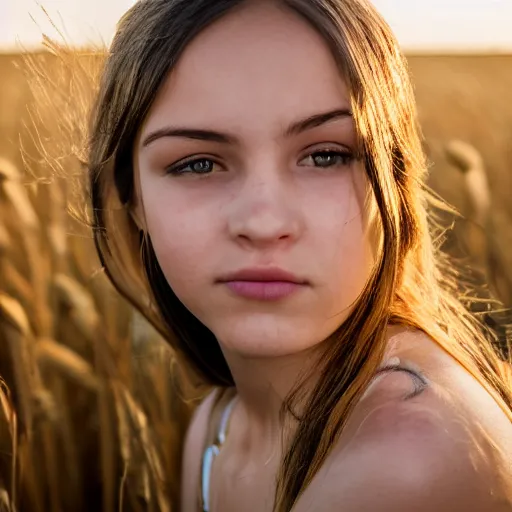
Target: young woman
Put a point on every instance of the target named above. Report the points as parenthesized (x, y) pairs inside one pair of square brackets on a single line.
[(257, 188)]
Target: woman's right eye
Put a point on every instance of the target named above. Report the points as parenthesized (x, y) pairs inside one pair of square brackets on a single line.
[(196, 166)]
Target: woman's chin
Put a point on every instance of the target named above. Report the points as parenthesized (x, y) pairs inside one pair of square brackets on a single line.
[(269, 339)]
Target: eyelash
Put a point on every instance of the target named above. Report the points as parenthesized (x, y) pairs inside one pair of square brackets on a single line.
[(180, 169)]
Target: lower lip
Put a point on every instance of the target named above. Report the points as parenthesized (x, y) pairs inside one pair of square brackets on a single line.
[(263, 290)]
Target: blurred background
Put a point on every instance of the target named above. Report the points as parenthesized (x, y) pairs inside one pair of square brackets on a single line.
[(92, 418)]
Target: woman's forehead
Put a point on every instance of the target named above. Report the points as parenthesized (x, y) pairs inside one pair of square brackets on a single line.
[(259, 62)]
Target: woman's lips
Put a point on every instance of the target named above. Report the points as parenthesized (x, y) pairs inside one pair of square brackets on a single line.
[(263, 290), (267, 284)]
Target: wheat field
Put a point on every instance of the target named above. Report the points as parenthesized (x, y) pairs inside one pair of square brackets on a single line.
[(93, 407)]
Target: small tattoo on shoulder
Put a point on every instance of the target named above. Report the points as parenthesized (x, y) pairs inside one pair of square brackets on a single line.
[(420, 382)]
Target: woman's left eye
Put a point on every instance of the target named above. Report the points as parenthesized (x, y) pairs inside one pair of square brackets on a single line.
[(328, 158)]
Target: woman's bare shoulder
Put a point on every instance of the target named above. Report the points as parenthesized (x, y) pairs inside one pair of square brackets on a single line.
[(426, 436), (451, 388), (193, 452)]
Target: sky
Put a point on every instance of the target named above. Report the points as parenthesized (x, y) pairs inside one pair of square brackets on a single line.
[(420, 25)]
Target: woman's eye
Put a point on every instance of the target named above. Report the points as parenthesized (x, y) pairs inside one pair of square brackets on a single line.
[(328, 159), (197, 166)]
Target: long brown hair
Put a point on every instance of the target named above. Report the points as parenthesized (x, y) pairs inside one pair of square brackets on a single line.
[(411, 284)]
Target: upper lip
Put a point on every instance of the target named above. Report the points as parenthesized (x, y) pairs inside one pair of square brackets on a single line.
[(262, 275)]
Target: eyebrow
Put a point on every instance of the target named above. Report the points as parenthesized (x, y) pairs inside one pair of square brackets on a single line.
[(214, 136)]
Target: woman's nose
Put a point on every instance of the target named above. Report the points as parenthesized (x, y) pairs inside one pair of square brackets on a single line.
[(265, 213)]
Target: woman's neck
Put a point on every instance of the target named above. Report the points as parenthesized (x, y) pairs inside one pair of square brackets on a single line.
[(263, 384)]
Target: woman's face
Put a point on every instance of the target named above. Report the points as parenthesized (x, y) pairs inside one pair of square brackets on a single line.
[(245, 163)]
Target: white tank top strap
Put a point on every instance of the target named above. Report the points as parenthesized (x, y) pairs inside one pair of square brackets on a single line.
[(211, 453)]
